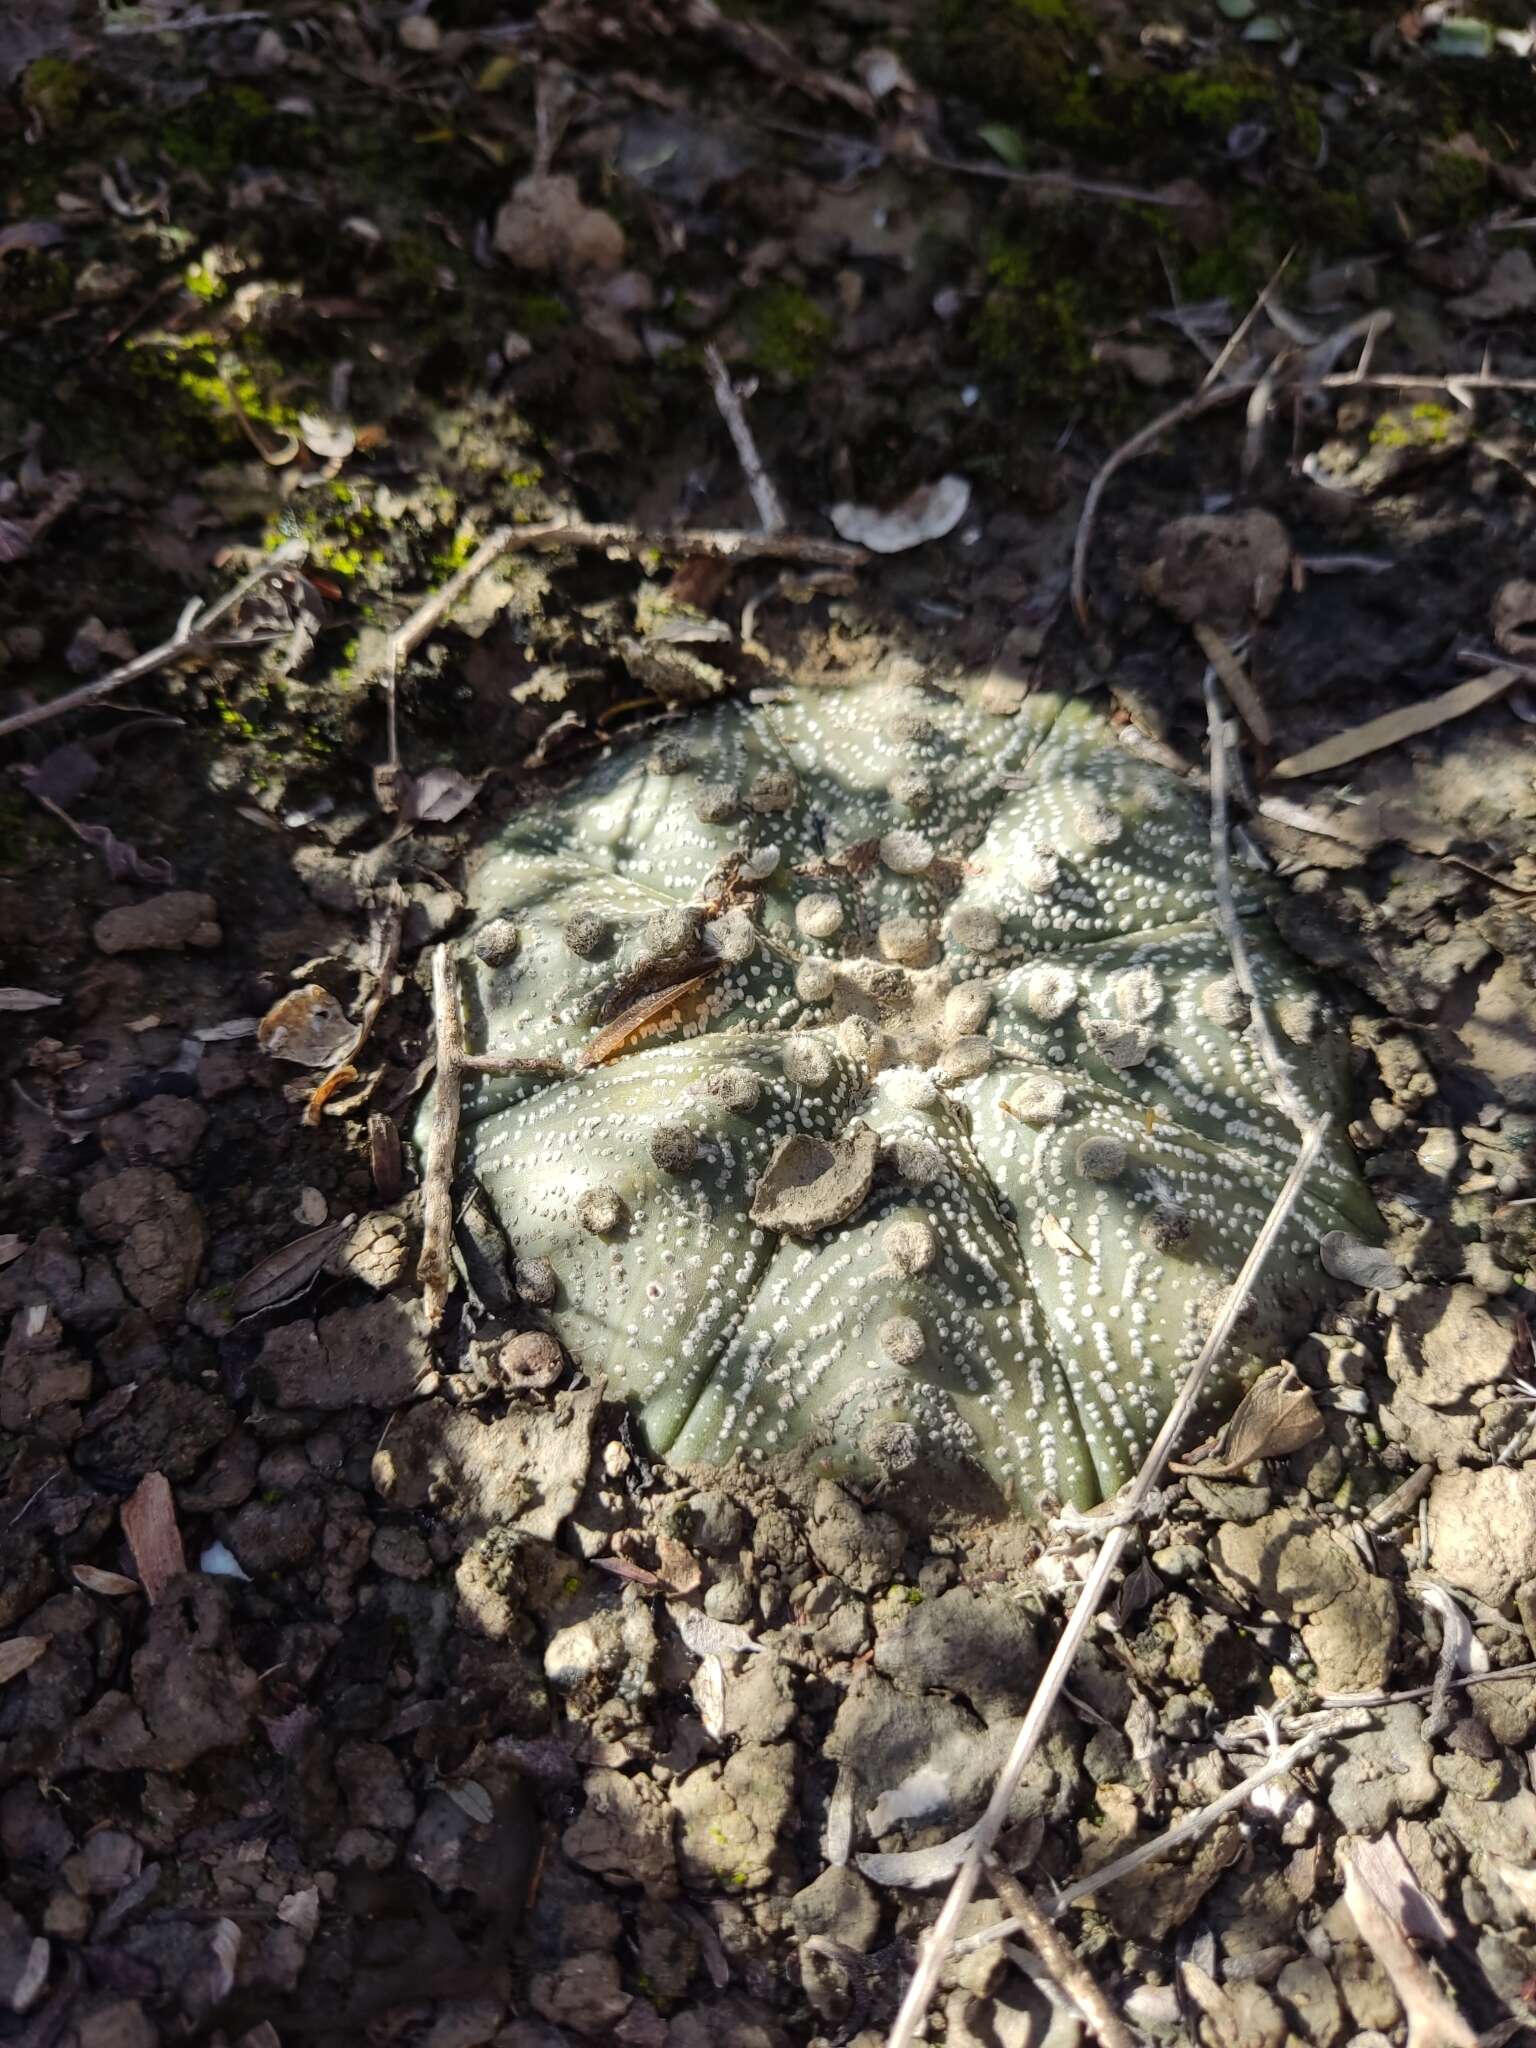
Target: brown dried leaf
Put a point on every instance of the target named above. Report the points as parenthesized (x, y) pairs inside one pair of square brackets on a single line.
[(149, 1523), (1059, 1238), (615, 1036), (20, 1654), (111, 1585), (337, 1078), (621, 1568), (1395, 726), (308, 1027), (384, 1156), (282, 1276), (1276, 1416)]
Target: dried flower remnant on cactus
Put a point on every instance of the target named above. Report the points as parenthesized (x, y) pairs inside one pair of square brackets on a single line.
[(951, 1136)]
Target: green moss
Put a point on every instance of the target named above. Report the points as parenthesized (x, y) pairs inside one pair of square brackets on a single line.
[(539, 315), (54, 90), (219, 130), (1414, 426), (34, 284), (786, 333), (203, 284)]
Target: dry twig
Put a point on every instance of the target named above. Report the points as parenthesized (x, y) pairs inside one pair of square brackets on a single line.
[(1234, 340), (434, 1269), (191, 633), (1433, 2022), (770, 511), (1074, 1977), (1193, 1825), (1395, 726), (1311, 1132)]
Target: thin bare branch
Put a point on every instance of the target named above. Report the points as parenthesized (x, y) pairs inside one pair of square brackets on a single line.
[(190, 634), (434, 1269), (1074, 1977), (770, 511), (1189, 1829)]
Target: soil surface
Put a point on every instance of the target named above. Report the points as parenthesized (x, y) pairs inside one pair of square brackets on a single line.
[(352, 1689)]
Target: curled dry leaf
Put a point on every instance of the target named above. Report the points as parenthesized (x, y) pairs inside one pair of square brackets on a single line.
[(615, 1036), (707, 1637), (1276, 1416), (282, 1276), (308, 1027), (27, 999), (1059, 1238), (111, 1585), (928, 513), (149, 1523), (20, 1654), (918, 1870)]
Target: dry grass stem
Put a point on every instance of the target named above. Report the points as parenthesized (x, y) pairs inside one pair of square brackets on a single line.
[(765, 499), (1395, 726), (1239, 333), (1074, 1977), (434, 1269)]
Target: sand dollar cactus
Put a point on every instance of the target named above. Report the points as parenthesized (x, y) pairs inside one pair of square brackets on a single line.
[(898, 1100)]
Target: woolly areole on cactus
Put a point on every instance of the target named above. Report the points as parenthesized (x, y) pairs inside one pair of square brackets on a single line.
[(897, 1099)]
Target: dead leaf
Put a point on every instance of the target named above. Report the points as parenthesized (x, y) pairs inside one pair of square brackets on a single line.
[(622, 1568), (148, 1517), (1238, 681), (1059, 1238), (282, 1276), (707, 1637), (615, 1036), (111, 1585), (308, 1027), (1276, 1416), (337, 1078), (30, 234), (27, 999), (1395, 726), (708, 1689), (20, 1654), (384, 1156), (438, 796), (12, 1245), (1433, 2022), (928, 513)]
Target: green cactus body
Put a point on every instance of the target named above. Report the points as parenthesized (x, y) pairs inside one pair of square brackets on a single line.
[(961, 948)]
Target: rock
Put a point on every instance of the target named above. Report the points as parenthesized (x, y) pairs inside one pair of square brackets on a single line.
[(864, 1549), (624, 1834), (162, 924), (1482, 1530), (373, 1784), (373, 1356), (524, 1470), (839, 1904), (373, 1251), (976, 1644), (585, 1994), (158, 1231), (545, 227), (164, 1131), (269, 1537), (122, 2024), (1315, 1581), (760, 1702), (741, 2022), (1225, 569), (714, 1523), (192, 1692), (169, 1426), (732, 1816), (1446, 1342), (1309, 1991), (1386, 1772), (1507, 291)]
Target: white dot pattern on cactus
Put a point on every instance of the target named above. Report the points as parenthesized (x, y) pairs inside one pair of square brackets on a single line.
[(1028, 1001)]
